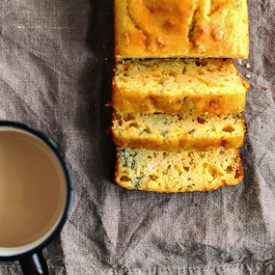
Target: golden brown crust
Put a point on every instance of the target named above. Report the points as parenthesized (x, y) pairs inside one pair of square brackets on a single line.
[(202, 144), (174, 191), (181, 28), (127, 101), (243, 124), (239, 172), (177, 191)]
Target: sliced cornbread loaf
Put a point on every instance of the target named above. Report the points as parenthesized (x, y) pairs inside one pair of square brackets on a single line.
[(177, 131), (181, 28), (185, 171), (178, 85)]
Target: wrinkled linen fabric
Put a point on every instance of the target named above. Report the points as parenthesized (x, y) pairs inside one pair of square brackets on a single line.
[(56, 63)]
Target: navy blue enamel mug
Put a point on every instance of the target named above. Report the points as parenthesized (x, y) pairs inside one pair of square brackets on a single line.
[(35, 195)]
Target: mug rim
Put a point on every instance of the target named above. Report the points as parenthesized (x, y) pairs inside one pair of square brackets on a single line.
[(69, 184)]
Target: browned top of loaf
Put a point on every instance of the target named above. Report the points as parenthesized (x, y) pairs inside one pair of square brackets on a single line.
[(181, 28)]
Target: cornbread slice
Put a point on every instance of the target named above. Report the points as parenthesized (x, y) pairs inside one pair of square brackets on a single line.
[(178, 85), (185, 171), (177, 131), (181, 28)]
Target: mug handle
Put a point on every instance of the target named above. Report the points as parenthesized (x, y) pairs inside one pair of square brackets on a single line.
[(34, 264)]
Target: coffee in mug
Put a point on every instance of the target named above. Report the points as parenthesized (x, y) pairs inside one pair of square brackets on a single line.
[(32, 189), (35, 195)]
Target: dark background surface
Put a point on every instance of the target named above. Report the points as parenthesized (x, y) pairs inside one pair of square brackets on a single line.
[(55, 75)]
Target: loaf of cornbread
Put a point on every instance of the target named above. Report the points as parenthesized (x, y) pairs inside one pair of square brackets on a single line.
[(181, 28), (178, 86), (177, 131), (184, 171)]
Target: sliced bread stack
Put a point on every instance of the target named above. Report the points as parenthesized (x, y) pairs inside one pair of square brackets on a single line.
[(177, 95)]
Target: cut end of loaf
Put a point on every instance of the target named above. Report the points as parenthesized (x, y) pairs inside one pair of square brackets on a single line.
[(185, 171)]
